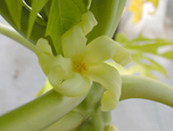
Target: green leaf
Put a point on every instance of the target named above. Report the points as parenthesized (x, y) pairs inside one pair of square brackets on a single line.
[(140, 67), (62, 16), (38, 30), (140, 46), (121, 38), (15, 9), (156, 66), (146, 67), (168, 55), (36, 5)]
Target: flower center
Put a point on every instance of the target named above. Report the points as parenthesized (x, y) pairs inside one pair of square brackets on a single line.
[(81, 67)]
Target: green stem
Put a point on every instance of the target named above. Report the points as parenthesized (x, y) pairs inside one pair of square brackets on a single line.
[(121, 6), (69, 122), (86, 115), (39, 113), (8, 31), (146, 88), (105, 12)]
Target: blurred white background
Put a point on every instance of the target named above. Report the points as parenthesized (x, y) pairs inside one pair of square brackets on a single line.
[(20, 74), (21, 77), (144, 115)]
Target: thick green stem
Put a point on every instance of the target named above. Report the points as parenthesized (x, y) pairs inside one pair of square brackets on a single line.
[(105, 12), (121, 6), (146, 88), (39, 113), (11, 33), (69, 122), (87, 115)]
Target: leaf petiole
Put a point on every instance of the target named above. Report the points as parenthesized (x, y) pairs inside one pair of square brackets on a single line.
[(11, 33), (146, 88)]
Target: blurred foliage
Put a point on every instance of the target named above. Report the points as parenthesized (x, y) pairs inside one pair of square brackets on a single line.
[(136, 7), (143, 50)]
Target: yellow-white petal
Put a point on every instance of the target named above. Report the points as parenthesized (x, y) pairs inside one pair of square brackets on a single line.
[(45, 56), (108, 103), (62, 66), (104, 48), (122, 56), (110, 79), (99, 50), (88, 22), (113, 128), (73, 42), (73, 86), (45, 62), (43, 46)]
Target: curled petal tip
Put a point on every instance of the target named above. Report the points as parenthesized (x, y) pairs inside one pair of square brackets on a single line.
[(88, 22)]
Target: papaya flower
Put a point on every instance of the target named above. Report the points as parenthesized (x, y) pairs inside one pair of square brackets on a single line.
[(73, 72)]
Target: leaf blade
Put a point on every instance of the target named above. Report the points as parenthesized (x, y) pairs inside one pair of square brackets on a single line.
[(15, 9), (36, 5), (63, 19)]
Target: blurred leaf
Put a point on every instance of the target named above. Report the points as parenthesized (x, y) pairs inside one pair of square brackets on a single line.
[(15, 9), (141, 46), (63, 15), (144, 65), (156, 66), (168, 55), (121, 38)]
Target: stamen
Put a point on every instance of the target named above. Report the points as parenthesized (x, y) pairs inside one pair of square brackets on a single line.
[(81, 67), (61, 81)]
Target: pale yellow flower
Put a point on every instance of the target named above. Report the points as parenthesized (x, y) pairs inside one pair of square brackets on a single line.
[(136, 7), (73, 73)]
